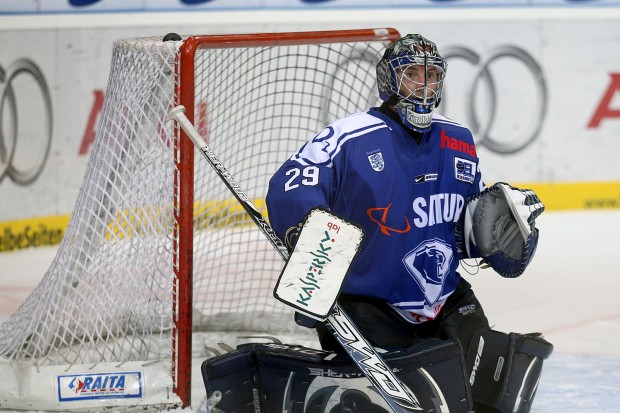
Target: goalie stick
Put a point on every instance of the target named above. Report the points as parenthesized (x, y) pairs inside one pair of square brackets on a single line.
[(396, 395)]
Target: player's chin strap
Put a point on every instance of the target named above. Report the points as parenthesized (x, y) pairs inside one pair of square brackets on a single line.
[(498, 224)]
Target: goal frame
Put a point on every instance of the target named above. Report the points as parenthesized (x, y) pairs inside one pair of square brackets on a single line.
[(185, 82)]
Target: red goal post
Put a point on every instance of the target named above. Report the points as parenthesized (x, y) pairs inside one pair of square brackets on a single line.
[(186, 71), (157, 250)]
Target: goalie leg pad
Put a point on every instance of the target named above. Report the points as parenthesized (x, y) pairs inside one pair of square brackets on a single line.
[(462, 316), (275, 378), (504, 370), (233, 382)]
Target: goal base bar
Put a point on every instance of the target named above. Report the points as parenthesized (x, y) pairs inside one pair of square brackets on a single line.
[(81, 387)]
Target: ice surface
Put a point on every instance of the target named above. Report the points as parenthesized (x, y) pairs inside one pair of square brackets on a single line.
[(570, 293)]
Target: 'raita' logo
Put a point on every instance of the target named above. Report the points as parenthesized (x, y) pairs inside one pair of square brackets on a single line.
[(119, 385)]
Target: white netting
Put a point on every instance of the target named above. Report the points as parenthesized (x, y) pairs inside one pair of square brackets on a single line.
[(268, 101), (108, 295)]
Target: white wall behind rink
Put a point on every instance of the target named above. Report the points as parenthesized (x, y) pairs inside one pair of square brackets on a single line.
[(576, 89)]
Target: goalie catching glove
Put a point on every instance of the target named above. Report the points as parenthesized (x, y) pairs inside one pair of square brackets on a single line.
[(498, 225)]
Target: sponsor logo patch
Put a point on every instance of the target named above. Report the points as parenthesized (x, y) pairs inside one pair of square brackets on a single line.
[(425, 178), (448, 142), (120, 385), (380, 216), (464, 170), (472, 377), (468, 309)]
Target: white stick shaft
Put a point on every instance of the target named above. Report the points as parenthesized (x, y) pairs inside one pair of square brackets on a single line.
[(339, 323), (178, 114)]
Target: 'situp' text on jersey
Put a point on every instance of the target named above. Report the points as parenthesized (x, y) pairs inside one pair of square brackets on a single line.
[(439, 208)]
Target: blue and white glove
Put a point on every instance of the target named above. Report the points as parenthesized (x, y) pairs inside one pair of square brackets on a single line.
[(498, 225)]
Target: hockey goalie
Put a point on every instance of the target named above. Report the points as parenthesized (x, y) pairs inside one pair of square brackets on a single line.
[(410, 179)]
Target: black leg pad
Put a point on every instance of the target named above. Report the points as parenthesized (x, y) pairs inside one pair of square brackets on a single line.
[(276, 377), (504, 370)]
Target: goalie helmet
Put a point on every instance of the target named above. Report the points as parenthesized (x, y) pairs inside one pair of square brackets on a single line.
[(412, 72)]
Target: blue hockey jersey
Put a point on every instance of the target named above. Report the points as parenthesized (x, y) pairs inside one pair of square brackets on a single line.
[(406, 196)]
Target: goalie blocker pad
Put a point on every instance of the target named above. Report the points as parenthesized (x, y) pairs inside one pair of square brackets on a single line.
[(276, 378), (316, 269), (504, 370)]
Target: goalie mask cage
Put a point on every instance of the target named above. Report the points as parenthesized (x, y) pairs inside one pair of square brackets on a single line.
[(157, 248)]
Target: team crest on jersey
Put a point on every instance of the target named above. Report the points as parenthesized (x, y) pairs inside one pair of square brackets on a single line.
[(376, 161), (464, 170), (429, 264)]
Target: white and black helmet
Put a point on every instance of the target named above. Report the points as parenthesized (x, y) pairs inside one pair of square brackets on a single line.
[(414, 106)]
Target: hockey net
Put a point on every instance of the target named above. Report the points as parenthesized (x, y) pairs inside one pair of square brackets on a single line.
[(111, 322)]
